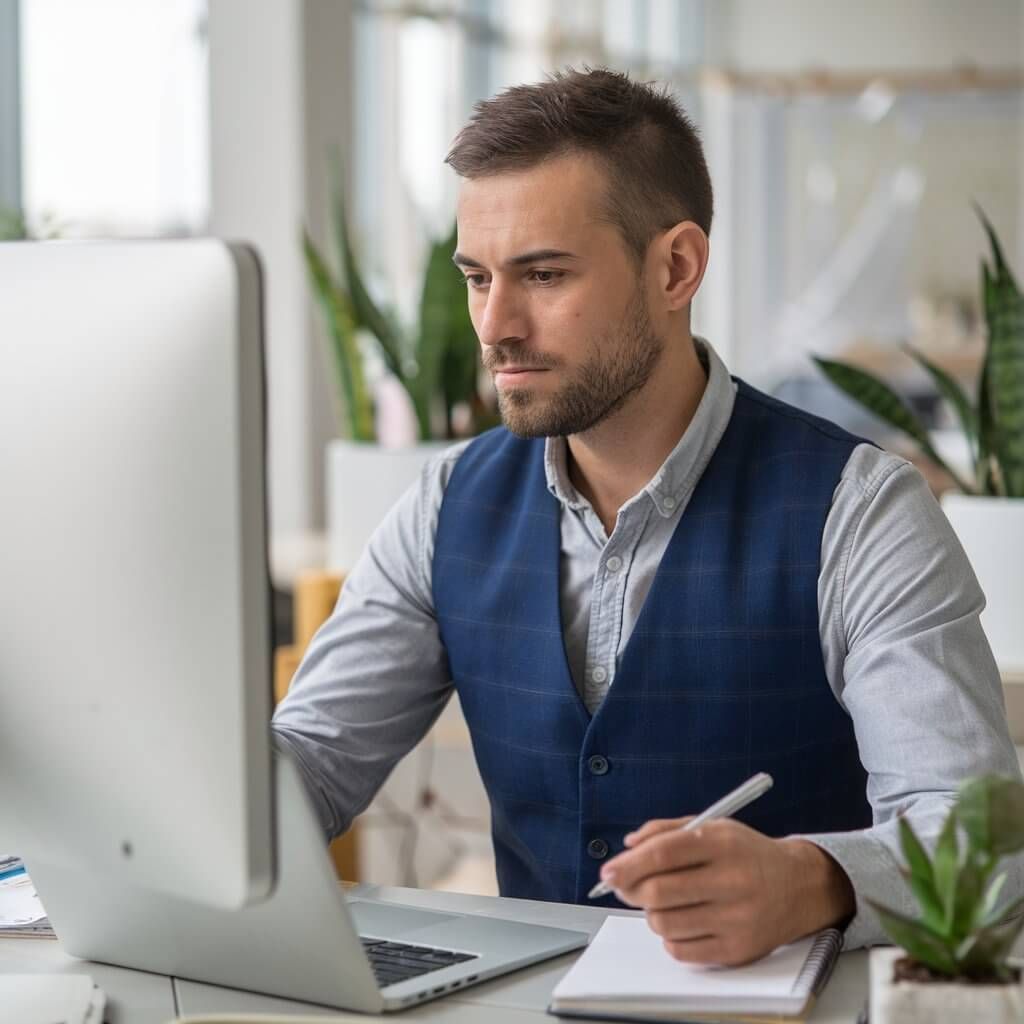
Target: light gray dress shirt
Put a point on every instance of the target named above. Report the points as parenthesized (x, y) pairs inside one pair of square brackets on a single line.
[(898, 605)]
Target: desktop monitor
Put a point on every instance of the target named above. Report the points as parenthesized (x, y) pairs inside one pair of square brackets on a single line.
[(135, 640)]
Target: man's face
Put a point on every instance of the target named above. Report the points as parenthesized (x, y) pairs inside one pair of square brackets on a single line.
[(554, 297)]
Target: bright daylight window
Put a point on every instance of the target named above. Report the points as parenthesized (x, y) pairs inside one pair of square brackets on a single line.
[(115, 116)]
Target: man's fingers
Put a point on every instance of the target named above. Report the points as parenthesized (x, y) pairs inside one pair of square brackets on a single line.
[(711, 949), (670, 890), (668, 850), (653, 827)]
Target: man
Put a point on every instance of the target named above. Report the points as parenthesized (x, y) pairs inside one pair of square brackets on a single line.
[(656, 581)]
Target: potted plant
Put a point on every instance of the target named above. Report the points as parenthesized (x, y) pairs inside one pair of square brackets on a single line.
[(987, 508), (435, 361), (954, 962)]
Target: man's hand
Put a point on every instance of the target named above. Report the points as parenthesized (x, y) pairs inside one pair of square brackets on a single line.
[(724, 893)]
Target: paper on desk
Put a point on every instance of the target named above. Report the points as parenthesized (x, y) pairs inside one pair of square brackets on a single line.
[(45, 998), (627, 960), (21, 912)]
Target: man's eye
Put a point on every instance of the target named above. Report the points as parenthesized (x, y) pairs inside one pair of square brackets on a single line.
[(546, 276), (475, 280)]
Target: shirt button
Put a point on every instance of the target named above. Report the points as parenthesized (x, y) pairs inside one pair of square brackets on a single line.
[(598, 849), (614, 564), (600, 674), (669, 503), (598, 765)]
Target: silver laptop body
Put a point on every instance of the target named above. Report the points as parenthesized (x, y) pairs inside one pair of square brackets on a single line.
[(303, 943)]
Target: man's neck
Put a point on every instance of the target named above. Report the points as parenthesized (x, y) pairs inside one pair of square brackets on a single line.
[(615, 460)]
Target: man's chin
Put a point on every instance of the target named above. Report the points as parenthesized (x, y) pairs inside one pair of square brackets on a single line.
[(522, 415)]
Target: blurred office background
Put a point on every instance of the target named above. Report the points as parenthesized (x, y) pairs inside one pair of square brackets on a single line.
[(846, 146)]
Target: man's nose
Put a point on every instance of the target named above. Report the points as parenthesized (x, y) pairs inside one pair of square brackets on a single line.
[(503, 318)]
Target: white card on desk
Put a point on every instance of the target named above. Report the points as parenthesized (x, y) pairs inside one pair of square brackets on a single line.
[(50, 999)]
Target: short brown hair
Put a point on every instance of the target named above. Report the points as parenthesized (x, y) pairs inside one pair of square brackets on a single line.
[(648, 147)]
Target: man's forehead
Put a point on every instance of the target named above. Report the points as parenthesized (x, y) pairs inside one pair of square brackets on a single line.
[(563, 195)]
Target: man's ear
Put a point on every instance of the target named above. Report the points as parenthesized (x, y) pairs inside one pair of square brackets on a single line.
[(682, 254)]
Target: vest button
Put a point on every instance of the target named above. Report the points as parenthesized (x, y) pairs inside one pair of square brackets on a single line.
[(598, 765), (597, 848)]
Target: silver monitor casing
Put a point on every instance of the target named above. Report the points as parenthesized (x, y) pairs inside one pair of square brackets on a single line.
[(135, 642)]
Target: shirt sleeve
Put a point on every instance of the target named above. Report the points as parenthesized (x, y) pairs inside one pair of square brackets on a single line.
[(907, 658), (375, 676)]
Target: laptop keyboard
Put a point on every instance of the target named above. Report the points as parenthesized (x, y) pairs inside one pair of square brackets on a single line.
[(396, 961)]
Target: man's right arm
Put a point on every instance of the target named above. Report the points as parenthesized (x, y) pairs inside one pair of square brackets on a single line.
[(375, 677)]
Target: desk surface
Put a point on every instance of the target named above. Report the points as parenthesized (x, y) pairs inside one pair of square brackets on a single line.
[(135, 997)]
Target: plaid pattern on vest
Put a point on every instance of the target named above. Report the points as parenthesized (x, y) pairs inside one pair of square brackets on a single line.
[(722, 677)]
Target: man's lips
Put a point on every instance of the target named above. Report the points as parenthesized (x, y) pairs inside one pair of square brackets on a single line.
[(516, 374)]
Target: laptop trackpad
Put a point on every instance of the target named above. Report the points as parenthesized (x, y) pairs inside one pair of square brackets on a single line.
[(389, 921)]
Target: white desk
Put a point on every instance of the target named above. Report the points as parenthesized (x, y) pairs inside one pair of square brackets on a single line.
[(135, 997)]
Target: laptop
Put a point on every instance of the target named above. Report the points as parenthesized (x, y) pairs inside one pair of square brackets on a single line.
[(310, 941)]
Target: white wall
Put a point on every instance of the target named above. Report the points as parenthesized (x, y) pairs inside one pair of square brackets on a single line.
[(784, 35), (279, 95), (965, 154)]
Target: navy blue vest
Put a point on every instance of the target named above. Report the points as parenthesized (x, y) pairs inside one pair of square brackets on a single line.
[(722, 677)]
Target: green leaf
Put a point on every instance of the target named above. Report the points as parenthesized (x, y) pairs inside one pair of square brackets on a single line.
[(348, 361), (988, 948), (365, 312), (1013, 909), (920, 877), (920, 941), (880, 399), (1003, 376), (970, 886), (987, 913), (1002, 268), (991, 810), (442, 312), (945, 865), (949, 389)]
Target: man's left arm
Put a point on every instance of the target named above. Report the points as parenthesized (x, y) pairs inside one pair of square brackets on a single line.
[(906, 656)]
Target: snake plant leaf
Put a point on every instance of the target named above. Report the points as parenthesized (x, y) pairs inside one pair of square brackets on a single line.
[(952, 392), (442, 299), (920, 941), (988, 480), (462, 357), (1005, 380), (334, 303), (991, 810), (364, 309), (1002, 268), (880, 399), (945, 862)]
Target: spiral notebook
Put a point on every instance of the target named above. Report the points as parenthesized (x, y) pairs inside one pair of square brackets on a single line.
[(626, 974)]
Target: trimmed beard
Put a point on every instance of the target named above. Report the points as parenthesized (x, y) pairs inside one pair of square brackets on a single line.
[(622, 362)]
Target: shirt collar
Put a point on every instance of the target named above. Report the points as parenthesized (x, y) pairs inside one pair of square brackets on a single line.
[(671, 486)]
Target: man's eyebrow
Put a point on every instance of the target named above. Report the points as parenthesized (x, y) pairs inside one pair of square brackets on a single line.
[(535, 256)]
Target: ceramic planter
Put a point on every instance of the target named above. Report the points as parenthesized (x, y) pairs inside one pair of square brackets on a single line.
[(992, 533), (363, 481), (913, 1002)]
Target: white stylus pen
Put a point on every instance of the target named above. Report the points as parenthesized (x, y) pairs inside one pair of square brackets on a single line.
[(757, 785)]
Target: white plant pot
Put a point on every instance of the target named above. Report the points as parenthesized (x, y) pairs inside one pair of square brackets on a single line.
[(911, 1002), (363, 481), (992, 533)]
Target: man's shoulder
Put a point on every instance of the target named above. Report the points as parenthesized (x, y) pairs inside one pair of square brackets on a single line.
[(766, 408)]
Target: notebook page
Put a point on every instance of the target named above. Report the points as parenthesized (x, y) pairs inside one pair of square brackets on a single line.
[(626, 960)]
